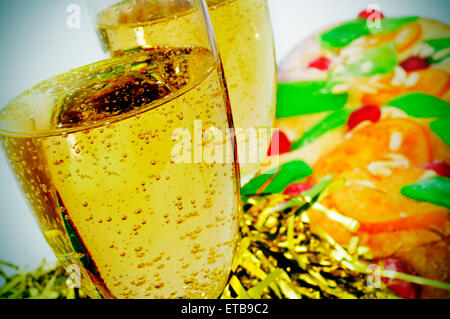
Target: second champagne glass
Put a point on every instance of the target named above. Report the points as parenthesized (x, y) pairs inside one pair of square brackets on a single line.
[(244, 36)]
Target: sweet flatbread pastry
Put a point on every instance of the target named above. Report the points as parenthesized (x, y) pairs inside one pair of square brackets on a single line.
[(368, 101)]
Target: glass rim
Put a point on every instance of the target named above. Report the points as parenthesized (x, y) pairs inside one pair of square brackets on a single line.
[(55, 131)]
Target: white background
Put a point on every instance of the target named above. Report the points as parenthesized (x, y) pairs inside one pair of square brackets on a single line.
[(37, 44)]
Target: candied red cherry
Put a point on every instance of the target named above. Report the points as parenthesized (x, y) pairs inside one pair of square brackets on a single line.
[(366, 14), (366, 113), (280, 144), (296, 189), (414, 63), (403, 289), (321, 63), (440, 168)]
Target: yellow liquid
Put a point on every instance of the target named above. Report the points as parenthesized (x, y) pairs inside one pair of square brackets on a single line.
[(244, 36), (108, 195)]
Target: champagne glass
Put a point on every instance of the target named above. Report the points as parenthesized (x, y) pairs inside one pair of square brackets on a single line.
[(245, 40), (107, 156), (244, 36)]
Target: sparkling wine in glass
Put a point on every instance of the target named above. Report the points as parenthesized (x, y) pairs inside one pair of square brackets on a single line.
[(96, 152)]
